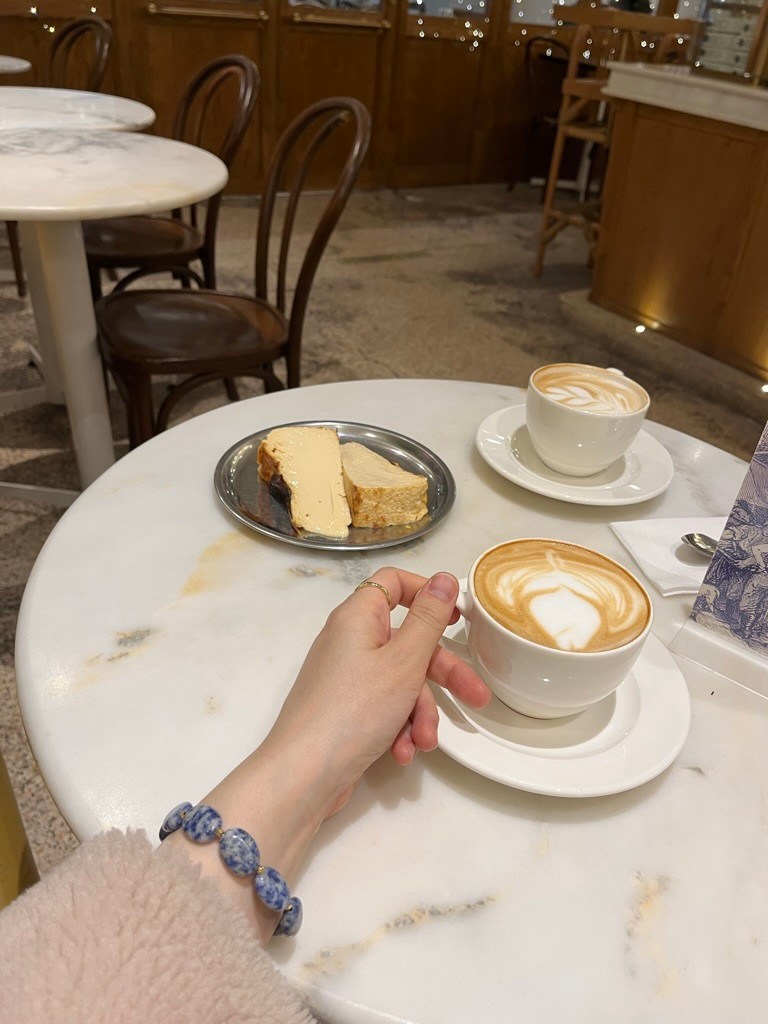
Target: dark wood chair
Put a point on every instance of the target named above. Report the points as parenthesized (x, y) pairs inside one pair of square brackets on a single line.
[(205, 335), (546, 63), (214, 112), (79, 52), (78, 59)]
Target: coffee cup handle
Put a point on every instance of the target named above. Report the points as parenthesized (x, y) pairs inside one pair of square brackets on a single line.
[(463, 600)]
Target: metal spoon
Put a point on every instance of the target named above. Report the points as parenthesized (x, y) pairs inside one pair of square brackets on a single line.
[(701, 542)]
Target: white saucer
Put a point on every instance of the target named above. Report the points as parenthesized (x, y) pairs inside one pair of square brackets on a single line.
[(618, 744), (645, 471)]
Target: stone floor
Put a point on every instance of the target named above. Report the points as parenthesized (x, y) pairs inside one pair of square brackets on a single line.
[(422, 283)]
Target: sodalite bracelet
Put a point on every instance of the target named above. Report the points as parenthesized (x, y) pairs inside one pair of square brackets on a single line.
[(241, 855)]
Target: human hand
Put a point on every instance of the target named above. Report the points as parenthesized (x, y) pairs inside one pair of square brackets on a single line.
[(362, 688)]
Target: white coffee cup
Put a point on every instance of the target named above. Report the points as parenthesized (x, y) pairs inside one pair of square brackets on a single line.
[(544, 680), (582, 418)]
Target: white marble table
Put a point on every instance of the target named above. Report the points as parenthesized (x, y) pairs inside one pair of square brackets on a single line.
[(53, 180), (157, 638), (57, 108), (13, 65), (37, 107)]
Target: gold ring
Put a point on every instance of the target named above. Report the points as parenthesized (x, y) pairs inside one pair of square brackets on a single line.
[(379, 586)]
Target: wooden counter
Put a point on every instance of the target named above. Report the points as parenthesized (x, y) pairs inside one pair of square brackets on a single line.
[(684, 236)]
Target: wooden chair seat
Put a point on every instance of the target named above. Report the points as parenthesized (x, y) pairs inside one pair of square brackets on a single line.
[(170, 331), (141, 241)]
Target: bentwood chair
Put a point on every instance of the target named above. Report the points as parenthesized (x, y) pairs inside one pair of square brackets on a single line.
[(78, 59), (79, 52), (205, 335), (215, 111)]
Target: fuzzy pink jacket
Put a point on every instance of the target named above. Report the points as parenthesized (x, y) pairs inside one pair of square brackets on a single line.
[(116, 935)]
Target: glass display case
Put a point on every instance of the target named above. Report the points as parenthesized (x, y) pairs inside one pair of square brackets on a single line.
[(732, 43)]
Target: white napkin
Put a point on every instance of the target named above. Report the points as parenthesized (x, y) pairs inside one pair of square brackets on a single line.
[(670, 565)]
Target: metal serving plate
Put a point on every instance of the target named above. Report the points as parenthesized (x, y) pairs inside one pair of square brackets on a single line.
[(248, 498)]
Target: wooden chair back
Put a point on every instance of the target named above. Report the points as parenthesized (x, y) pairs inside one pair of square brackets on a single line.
[(214, 112), (79, 52), (540, 77), (289, 170)]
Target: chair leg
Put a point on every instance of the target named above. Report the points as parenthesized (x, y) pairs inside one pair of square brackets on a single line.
[(549, 199), (231, 388), (94, 276), (18, 267), (141, 416)]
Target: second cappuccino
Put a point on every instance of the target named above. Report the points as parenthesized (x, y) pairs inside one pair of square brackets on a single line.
[(582, 418), (561, 595), (553, 627)]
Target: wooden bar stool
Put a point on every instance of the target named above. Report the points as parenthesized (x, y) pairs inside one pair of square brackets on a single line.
[(585, 116), (602, 36)]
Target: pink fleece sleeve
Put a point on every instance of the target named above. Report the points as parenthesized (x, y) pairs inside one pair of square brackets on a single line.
[(118, 935)]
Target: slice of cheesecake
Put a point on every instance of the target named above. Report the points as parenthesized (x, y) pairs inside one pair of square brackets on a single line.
[(379, 492), (308, 461)]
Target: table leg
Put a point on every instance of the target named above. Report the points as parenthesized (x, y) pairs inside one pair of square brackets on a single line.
[(45, 357), (63, 289)]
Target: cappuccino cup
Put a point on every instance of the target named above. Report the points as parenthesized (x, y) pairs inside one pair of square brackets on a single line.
[(553, 627), (581, 418)]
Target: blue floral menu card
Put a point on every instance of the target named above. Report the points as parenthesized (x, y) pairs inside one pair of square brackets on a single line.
[(728, 627)]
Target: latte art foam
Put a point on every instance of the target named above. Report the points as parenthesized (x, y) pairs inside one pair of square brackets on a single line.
[(589, 388), (561, 595)]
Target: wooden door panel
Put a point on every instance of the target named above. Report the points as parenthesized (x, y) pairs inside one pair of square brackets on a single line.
[(173, 48), (345, 61), (434, 98)]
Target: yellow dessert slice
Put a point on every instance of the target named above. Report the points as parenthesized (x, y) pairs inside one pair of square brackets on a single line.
[(379, 492), (308, 460)]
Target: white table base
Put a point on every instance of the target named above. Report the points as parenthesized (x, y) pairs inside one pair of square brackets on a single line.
[(44, 356), (63, 297)]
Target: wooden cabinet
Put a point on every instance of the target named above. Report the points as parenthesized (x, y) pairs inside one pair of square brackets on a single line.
[(447, 94), (684, 236)]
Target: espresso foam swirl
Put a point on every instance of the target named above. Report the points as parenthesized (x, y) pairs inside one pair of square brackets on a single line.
[(589, 388), (561, 595)]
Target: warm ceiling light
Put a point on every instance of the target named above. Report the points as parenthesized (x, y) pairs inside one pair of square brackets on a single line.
[(640, 329)]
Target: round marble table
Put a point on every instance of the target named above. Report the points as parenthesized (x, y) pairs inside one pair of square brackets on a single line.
[(70, 109), (13, 65), (53, 180), (37, 107), (157, 638)]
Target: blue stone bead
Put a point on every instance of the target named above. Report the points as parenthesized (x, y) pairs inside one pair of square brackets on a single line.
[(239, 851), (271, 888), (201, 824), (291, 918), (173, 820)]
